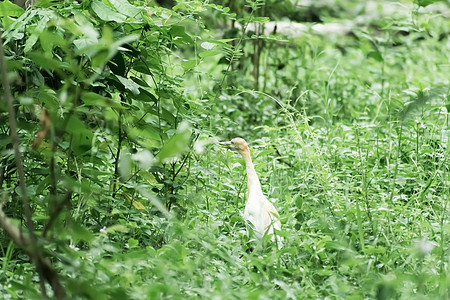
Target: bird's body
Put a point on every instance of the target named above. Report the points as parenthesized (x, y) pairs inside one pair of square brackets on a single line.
[(258, 210)]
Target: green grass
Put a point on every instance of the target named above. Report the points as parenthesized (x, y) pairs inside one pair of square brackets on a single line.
[(364, 196), (350, 138)]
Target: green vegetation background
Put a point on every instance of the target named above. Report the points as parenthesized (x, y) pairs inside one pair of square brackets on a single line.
[(119, 107)]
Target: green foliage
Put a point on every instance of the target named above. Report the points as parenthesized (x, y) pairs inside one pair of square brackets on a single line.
[(119, 105)]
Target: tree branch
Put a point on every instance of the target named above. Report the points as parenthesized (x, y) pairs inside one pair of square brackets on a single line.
[(28, 243), (38, 259)]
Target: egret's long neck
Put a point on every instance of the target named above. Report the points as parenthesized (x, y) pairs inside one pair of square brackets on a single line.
[(253, 184)]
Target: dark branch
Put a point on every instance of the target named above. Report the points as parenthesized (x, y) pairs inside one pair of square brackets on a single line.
[(29, 242)]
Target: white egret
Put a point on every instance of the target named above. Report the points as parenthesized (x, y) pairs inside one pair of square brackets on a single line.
[(258, 210)]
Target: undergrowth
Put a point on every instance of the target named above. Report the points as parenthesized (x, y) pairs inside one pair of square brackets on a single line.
[(349, 135)]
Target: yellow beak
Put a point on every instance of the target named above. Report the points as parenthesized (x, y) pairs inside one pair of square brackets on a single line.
[(225, 144)]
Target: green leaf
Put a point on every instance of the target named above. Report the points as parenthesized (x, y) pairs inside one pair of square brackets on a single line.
[(8, 9), (86, 45), (148, 135), (49, 40), (224, 41), (424, 3), (4, 140), (116, 46), (81, 233), (81, 137), (35, 35), (375, 54), (117, 228), (126, 8), (132, 243), (176, 145), (189, 64), (142, 67), (209, 53), (46, 62), (94, 99), (260, 19), (129, 84), (148, 60), (106, 13), (179, 36), (117, 64), (146, 96)]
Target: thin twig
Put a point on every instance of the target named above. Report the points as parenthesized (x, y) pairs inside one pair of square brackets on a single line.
[(119, 146)]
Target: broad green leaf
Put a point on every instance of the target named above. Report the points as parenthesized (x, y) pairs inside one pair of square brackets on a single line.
[(176, 145), (189, 64), (49, 40), (117, 64), (132, 243), (375, 54), (147, 61), (260, 19), (4, 140), (48, 97), (35, 35), (81, 137), (84, 44), (167, 115), (179, 35), (222, 41), (142, 67), (117, 228), (146, 96), (94, 99), (209, 53), (44, 61), (79, 232), (126, 8), (106, 13), (116, 46), (8, 9), (148, 135), (129, 84)]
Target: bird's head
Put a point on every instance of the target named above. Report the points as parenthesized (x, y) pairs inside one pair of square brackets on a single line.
[(236, 144)]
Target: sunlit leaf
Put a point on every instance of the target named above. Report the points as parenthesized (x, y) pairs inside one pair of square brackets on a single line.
[(124, 7), (106, 13), (176, 145), (207, 45), (40, 26), (129, 84), (8, 9)]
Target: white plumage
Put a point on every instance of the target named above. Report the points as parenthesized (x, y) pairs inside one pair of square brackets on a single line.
[(258, 210)]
